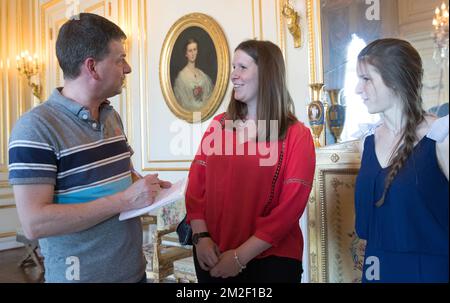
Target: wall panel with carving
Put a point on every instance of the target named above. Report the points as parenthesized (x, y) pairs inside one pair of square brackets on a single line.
[(335, 252)]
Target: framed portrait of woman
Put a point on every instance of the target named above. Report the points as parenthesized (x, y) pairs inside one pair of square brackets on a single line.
[(194, 67)]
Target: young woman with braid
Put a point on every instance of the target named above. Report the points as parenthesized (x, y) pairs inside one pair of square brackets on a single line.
[(401, 195)]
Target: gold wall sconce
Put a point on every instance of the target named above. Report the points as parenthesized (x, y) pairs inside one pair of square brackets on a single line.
[(292, 21), (29, 67)]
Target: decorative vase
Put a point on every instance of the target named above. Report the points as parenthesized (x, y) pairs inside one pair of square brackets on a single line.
[(336, 113), (316, 112)]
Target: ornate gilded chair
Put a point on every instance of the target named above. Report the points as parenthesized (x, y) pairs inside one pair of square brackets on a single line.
[(184, 270), (31, 251), (163, 248)]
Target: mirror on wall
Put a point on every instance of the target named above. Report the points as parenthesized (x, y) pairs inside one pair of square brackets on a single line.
[(347, 26)]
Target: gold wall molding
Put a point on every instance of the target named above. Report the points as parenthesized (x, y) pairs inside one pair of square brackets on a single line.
[(7, 206), (261, 33), (8, 234), (253, 20), (3, 140), (6, 196), (98, 5), (8, 107), (258, 11), (126, 23), (143, 80), (311, 41), (315, 41), (281, 23), (46, 35), (17, 33)]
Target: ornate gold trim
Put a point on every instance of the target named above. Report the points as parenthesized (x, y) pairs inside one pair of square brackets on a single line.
[(213, 29), (314, 43), (95, 6), (319, 43), (58, 24), (253, 19), (143, 79), (8, 234), (7, 206), (6, 196), (49, 4), (6, 130), (281, 25), (4, 184), (45, 53), (317, 225), (129, 108), (19, 87), (323, 228), (313, 238), (293, 23), (260, 36), (2, 131), (260, 21), (8, 107), (311, 39)]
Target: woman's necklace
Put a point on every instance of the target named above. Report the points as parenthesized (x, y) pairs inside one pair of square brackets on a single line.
[(193, 71)]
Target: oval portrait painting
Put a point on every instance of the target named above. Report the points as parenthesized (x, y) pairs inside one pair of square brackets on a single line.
[(194, 67)]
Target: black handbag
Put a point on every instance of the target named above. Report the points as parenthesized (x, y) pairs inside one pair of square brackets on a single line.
[(184, 232)]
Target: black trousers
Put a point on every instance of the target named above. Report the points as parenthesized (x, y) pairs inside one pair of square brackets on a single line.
[(270, 269)]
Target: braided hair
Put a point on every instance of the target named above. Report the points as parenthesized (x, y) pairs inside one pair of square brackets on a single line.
[(400, 67)]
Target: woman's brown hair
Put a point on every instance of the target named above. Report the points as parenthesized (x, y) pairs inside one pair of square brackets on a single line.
[(274, 100), (400, 67)]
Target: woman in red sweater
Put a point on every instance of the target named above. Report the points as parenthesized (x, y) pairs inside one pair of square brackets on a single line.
[(251, 178)]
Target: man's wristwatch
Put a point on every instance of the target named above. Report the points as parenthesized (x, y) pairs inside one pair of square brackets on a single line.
[(197, 236)]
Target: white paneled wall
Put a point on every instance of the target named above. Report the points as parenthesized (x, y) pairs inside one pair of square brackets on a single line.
[(146, 116)]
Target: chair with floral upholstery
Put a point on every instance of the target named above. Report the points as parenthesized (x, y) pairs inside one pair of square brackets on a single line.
[(163, 248)]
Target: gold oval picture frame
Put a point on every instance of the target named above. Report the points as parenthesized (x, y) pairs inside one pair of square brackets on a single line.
[(187, 90)]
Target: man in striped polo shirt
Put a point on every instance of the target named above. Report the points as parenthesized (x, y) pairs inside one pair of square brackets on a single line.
[(70, 165)]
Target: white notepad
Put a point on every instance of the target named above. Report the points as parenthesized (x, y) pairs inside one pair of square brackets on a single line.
[(165, 196)]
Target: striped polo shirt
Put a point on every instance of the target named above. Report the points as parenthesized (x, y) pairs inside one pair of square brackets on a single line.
[(59, 143)]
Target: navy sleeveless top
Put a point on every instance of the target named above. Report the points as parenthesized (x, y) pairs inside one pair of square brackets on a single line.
[(414, 216)]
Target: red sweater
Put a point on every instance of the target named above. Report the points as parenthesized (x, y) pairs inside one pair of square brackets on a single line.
[(231, 192)]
